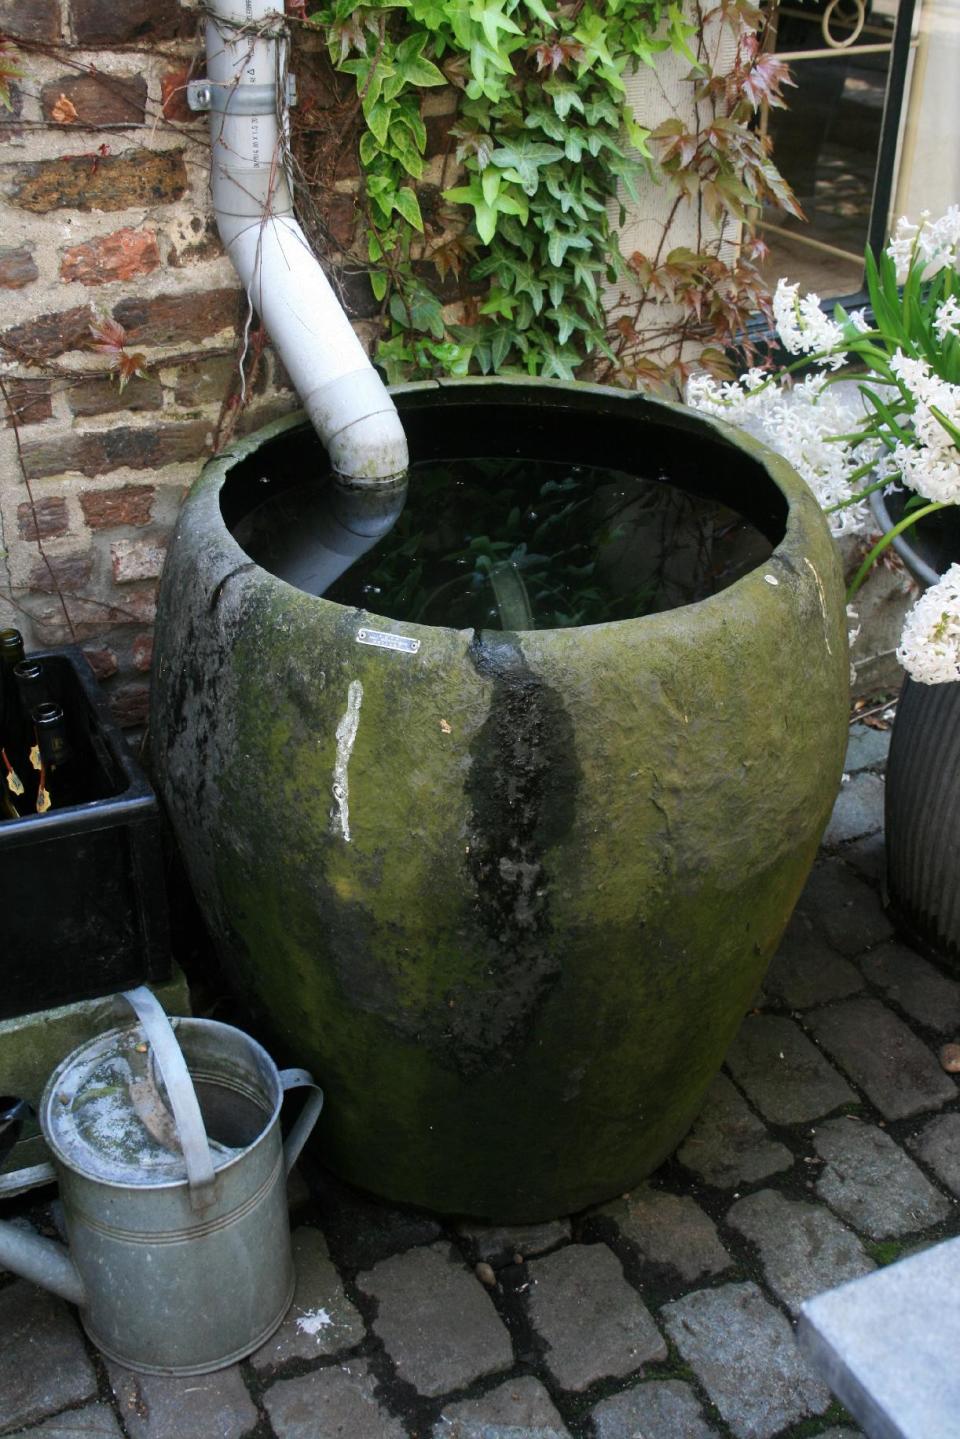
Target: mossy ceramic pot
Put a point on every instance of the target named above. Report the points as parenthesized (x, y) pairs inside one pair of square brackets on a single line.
[(508, 894)]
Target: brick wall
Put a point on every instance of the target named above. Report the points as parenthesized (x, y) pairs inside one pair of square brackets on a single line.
[(104, 215)]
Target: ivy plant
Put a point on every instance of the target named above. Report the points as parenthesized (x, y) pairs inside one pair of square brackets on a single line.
[(544, 141)]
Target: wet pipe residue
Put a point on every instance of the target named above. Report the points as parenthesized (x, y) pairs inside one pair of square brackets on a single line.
[(521, 544)]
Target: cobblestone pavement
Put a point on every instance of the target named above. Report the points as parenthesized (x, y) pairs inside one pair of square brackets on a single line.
[(830, 1145)]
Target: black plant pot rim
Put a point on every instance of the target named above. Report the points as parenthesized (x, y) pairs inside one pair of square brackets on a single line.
[(922, 572)]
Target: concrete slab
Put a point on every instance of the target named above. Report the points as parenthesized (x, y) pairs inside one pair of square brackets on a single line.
[(887, 1345)]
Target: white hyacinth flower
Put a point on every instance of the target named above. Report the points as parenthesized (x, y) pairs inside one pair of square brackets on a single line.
[(946, 321), (930, 644), (803, 327)]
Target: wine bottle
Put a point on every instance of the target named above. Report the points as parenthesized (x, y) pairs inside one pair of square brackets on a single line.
[(58, 779), (13, 731)]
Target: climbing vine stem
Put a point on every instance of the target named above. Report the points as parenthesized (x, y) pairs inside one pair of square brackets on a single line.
[(549, 155)]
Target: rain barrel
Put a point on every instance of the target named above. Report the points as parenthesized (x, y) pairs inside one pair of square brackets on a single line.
[(507, 893)]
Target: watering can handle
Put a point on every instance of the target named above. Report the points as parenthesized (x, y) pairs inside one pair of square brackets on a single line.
[(308, 1116), (182, 1095)]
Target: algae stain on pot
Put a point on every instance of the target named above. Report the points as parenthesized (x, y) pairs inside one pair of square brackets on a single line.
[(522, 785)]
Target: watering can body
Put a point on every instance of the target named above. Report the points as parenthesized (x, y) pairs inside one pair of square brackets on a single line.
[(166, 1284)]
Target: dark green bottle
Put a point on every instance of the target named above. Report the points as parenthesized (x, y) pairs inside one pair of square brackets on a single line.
[(14, 731), (59, 785)]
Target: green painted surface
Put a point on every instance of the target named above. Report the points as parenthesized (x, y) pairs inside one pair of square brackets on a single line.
[(571, 853)]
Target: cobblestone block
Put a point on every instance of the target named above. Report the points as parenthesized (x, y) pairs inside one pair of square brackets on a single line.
[(867, 748), (592, 1321), (868, 857), (843, 908), (97, 1421), (883, 1057), (497, 1244), (921, 991), (436, 1321), (804, 1249), (858, 810), (669, 1229), (337, 1403), (785, 1076), (43, 1363), (161, 1406), (806, 971), (659, 1409), (515, 1410), (938, 1145), (728, 1145), (743, 1352), (872, 1183), (321, 1319)]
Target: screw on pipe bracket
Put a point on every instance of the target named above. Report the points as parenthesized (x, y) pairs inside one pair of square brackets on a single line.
[(238, 99)]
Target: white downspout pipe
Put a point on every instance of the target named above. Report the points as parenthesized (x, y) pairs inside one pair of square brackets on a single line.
[(342, 393)]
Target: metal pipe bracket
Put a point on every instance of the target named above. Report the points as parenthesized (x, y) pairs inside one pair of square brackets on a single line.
[(239, 99)]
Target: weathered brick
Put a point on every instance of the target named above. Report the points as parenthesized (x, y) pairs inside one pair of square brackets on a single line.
[(46, 336), (100, 99), (89, 619), (593, 1322), (141, 652), (173, 95), (195, 240), (102, 661), (28, 402), (121, 448), (101, 394), (174, 319), (340, 215), (9, 115), (104, 22), (136, 560), (205, 381), (124, 255), (38, 20), (95, 182), (130, 505), (69, 573), (17, 267), (130, 703), (45, 519)]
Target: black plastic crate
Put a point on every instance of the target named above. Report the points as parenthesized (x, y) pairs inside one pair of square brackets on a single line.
[(82, 890)]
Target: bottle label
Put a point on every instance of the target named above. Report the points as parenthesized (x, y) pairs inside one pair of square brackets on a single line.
[(383, 640), (35, 756), (14, 782), (43, 799)]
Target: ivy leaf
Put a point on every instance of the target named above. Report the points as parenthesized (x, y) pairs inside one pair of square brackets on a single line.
[(379, 281), (406, 204), (524, 157), (418, 309), (413, 67), (537, 8)]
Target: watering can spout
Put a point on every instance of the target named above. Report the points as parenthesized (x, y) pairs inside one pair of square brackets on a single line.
[(42, 1261)]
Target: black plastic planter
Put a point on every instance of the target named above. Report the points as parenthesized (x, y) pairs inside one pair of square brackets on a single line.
[(81, 888)]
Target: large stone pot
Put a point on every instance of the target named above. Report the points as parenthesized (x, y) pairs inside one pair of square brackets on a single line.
[(569, 854)]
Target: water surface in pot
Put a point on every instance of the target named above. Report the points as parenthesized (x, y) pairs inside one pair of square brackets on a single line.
[(514, 544)]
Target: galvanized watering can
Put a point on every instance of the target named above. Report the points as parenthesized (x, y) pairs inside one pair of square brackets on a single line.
[(172, 1179)]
